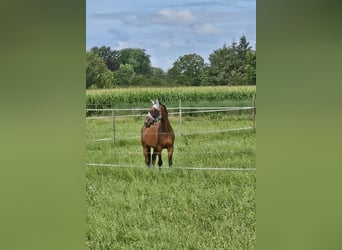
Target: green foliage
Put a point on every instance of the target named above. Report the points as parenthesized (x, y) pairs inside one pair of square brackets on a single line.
[(139, 60), (109, 56), (136, 96), (234, 65), (159, 78), (124, 75), (187, 70), (97, 73), (158, 73), (229, 65), (250, 67)]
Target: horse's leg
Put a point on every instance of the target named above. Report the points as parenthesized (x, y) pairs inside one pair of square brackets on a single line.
[(147, 154), (154, 156), (169, 154), (159, 153)]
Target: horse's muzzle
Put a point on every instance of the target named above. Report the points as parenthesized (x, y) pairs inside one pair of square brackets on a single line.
[(148, 122)]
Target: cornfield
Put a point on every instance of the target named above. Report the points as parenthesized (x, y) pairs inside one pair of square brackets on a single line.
[(127, 97)]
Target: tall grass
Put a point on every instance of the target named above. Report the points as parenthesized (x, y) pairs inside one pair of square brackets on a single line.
[(139, 208)]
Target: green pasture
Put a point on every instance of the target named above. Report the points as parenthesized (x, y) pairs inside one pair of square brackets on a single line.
[(172, 209), (130, 206)]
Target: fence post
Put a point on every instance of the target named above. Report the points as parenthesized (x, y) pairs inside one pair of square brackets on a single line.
[(180, 117), (113, 124), (254, 110)]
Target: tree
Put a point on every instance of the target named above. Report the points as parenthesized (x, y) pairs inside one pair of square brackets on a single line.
[(97, 73), (229, 65), (233, 65), (205, 76), (250, 68), (222, 63), (243, 48), (158, 73), (139, 60), (110, 57), (158, 78), (124, 75), (187, 70)]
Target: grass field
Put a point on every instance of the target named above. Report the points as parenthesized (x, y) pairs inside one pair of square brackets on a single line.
[(133, 207)]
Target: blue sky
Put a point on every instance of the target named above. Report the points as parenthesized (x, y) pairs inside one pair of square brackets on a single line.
[(169, 29)]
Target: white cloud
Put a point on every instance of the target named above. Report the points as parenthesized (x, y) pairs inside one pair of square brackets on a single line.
[(169, 29), (184, 17), (207, 29), (120, 45)]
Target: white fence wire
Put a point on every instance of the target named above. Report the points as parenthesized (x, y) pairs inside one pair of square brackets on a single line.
[(184, 168), (191, 110)]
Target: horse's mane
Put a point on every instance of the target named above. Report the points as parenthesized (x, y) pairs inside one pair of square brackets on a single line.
[(163, 106)]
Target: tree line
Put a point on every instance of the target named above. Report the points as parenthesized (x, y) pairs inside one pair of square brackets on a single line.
[(229, 65)]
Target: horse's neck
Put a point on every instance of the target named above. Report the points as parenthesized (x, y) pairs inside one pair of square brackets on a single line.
[(165, 123)]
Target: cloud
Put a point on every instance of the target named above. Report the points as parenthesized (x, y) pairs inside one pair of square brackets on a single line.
[(207, 29), (119, 45), (181, 17), (163, 16), (192, 4), (169, 30), (119, 34)]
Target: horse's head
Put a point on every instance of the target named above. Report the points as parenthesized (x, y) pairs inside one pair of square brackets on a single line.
[(154, 114)]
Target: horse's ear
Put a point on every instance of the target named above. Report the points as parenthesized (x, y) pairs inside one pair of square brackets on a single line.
[(153, 102), (160, 103)]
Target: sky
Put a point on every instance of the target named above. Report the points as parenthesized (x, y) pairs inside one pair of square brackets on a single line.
[(168, 29)]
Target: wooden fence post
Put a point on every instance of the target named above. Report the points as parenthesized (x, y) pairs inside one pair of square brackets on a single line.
[(113, 124), (180, 117), (254, 111)]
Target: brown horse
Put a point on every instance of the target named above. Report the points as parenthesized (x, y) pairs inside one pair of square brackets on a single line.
[(157, 135)]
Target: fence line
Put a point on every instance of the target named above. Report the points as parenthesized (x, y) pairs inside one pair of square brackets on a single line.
[(193, 133), (139, 152), (102, 139), (198, 133), (213, 131), (185, 168), (181, 111), (223, 109), (177, 133), (169, 108)]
